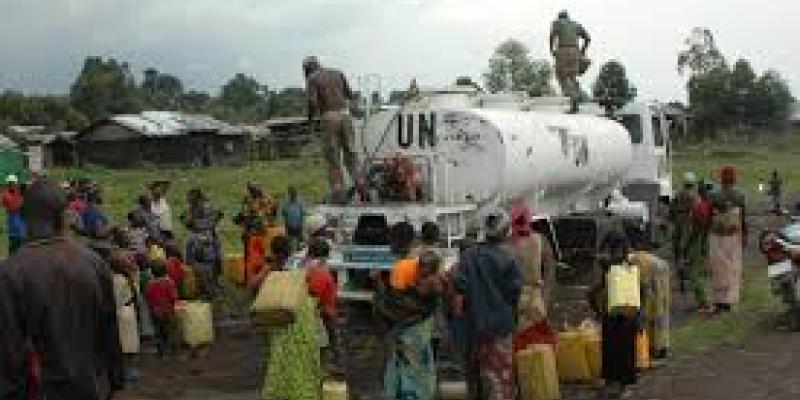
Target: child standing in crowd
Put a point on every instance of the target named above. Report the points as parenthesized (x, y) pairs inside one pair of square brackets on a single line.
[(136, 234), (159, 206), (95, 222), (174, 264), (322, 287), (253, 218), (203, 250), (122, 265), (12, 201), (161, 297), (293, 217), (281, 250), (321, 283)]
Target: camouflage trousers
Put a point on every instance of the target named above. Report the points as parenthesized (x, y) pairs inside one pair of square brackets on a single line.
[(490, 370), (338, 136), (567, 66)]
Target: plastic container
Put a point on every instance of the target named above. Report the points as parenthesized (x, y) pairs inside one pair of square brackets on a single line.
[(643, 351), (334, 391), (623, 287), (234, 269), (198, 324), (573, 364), (280, 296), (537, 374), (593, 343), (189, 284)]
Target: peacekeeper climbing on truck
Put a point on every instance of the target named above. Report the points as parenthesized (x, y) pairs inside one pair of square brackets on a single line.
[(571, 60)]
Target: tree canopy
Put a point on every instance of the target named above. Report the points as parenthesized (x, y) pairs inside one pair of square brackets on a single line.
[(106, 87), (511, 68), (701, 54), (161, 91), (721, 96), (612, 88), (54, 112)]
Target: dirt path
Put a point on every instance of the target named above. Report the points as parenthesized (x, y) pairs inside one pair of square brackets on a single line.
[(231, 370), (765, 368)]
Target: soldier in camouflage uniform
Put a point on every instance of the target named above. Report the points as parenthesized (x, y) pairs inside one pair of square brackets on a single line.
[(328, 95), (565, 35)]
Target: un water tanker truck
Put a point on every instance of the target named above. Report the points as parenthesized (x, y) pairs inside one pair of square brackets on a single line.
[(450, 156)]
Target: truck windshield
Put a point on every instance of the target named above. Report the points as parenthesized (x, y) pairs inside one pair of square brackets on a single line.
[(633, 124)]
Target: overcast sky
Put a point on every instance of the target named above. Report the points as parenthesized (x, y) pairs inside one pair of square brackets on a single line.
[(204, 42)]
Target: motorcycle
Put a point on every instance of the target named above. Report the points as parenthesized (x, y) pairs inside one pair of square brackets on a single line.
[(782, 251)]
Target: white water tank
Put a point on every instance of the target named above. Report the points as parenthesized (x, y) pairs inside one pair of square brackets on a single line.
[(555, 162)]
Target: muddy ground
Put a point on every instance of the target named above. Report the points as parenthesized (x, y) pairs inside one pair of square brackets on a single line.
[(231, 369), (765, 368)]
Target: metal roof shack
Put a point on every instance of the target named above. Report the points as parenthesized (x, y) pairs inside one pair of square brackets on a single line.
[(287, 137), (162, 138)]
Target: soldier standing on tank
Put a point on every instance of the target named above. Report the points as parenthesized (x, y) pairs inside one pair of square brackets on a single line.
[(328, 97), (565, 36)]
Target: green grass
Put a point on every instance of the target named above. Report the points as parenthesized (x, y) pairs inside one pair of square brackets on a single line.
[(698, 334), (225, 187), (754, 163)]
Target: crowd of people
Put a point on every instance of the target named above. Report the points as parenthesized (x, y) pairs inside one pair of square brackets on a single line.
[(499, 290), (83, 296), (131, 276), (710, 233)]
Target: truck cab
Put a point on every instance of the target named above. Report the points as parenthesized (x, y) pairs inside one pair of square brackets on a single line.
[(649, 131), (649, 180)]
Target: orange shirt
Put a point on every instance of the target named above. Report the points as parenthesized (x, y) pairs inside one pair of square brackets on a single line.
[(405, 274)]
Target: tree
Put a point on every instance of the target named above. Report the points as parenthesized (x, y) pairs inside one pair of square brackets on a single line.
[(741, 90), (723, 97), (701, 54), (612, 88), (709, 98), (512, 64), (289, 102), (771, 101), (161, 91), (243, 91), (196, 102), (104, 88), (243, 100), (53, 112)]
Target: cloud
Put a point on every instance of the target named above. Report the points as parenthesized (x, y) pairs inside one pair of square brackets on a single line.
[(205, 42)]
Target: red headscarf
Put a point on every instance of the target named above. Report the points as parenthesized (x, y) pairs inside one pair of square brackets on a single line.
[(520, 221), (728, 175)]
